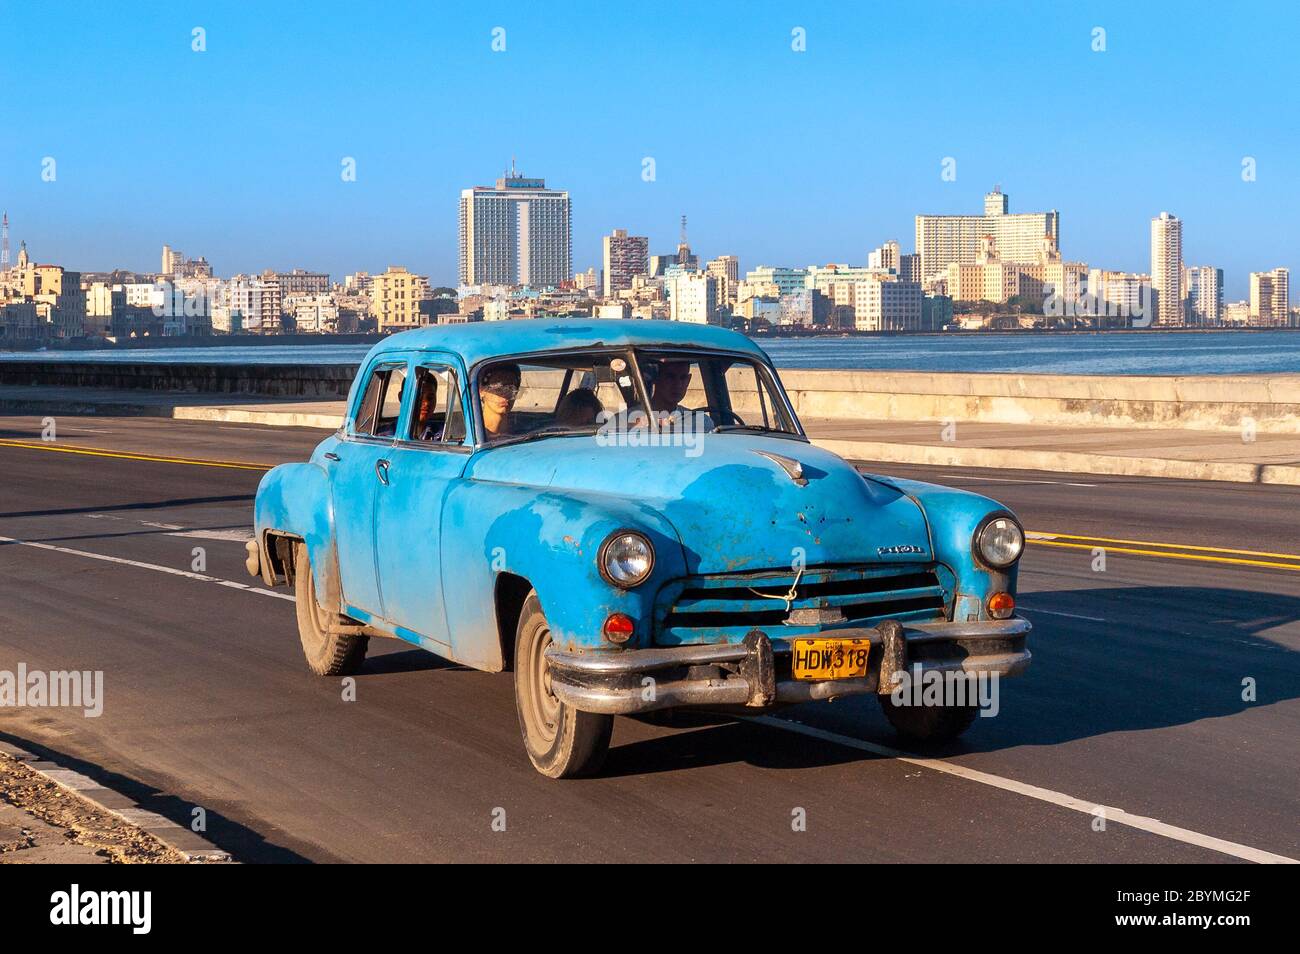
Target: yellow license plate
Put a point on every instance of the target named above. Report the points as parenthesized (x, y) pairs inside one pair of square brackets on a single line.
[(817, 658)]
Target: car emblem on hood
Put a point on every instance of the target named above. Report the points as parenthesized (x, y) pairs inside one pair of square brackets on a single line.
[(792, 467)]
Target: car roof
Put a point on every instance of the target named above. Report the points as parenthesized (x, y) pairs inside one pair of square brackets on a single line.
[(479, 340)]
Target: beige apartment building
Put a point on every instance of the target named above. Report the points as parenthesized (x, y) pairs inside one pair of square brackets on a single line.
[(395, 299), (886, 257), (944, 239), (1270, 294), (726, 271), (60, 302), (993, 279)]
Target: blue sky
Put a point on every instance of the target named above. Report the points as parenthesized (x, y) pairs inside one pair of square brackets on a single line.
[(777, 156)]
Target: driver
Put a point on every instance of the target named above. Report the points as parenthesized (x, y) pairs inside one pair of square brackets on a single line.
[(671, 383)]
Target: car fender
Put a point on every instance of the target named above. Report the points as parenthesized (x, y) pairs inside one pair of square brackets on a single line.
[(551, 539), (953, 516), (294, 500)]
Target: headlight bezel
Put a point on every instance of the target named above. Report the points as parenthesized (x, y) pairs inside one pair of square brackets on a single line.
[(977, 547), (603, 554)]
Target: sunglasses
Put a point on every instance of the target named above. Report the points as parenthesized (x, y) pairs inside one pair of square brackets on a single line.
[(502, 389)]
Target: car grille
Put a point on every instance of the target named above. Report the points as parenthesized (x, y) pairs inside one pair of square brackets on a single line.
[(723, 608)]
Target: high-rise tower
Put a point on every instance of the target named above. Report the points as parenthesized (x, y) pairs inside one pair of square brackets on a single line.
[(518, 233), (1167, 268)]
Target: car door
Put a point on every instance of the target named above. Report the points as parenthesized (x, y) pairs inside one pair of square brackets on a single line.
[(357, 468), (422, 466)]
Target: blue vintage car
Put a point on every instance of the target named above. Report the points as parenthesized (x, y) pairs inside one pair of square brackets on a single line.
[(628, 515)]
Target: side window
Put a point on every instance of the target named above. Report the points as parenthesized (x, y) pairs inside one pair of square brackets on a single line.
[(747, 394), (381, 404), (438, 416)]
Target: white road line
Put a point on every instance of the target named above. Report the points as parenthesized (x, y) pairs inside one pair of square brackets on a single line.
[(1034, 609), (233, 536), (178, 530), (1117, 815), (1015, 480), (170, 570)]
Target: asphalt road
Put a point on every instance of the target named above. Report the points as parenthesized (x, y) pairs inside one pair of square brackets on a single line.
[(1134, 700)]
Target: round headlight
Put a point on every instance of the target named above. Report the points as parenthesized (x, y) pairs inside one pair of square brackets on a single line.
[(626, 558), (999, 542)]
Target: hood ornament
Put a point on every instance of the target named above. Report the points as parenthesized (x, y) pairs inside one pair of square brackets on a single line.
[(792, 468)]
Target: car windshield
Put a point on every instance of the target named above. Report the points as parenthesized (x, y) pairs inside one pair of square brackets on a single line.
[(587, 392)]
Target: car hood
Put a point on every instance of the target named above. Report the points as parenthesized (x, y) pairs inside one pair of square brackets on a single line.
[(733, 508)]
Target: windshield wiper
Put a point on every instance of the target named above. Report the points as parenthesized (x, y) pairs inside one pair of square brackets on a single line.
[(543, 432), (758, 429)]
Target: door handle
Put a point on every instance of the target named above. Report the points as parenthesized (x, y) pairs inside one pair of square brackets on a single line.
[(381, 471), (330, 455)]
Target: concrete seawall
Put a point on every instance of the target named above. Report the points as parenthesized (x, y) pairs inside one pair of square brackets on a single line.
[(1206, 402), (270, 380)]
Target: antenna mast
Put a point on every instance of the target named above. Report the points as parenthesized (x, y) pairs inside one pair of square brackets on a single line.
[(4, 243)]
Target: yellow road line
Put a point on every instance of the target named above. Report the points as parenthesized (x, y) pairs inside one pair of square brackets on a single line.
[(101, 452), (1177, 556), (1040, 536)]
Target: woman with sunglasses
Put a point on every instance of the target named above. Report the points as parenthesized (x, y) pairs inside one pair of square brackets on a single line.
[(498, 386)]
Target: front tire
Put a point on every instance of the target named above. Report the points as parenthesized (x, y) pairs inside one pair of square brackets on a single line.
[(328, 654), (561, 741), (929, 724)]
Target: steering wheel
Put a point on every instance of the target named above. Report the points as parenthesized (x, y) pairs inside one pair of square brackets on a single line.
[(716, 414)]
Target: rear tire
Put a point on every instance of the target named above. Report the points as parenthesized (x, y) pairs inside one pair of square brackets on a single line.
[(561, 741), (928, 723), (328, 654)]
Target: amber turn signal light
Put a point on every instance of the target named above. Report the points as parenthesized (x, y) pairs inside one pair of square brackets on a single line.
[(618, 628), (1002, 605)]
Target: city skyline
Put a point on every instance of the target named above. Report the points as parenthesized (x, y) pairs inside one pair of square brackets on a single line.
[(775, 177)]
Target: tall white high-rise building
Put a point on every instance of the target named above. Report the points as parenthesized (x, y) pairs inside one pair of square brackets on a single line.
[(1270, 296), (518, 233), (944, 239), (1203, 285), (1167, 268), (624, 256)]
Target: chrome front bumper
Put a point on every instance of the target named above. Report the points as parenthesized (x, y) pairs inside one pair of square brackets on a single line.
[(756, 673)]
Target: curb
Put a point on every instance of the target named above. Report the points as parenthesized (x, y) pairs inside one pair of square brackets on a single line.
[(1064, 461), (195, 848), (239, 415)]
